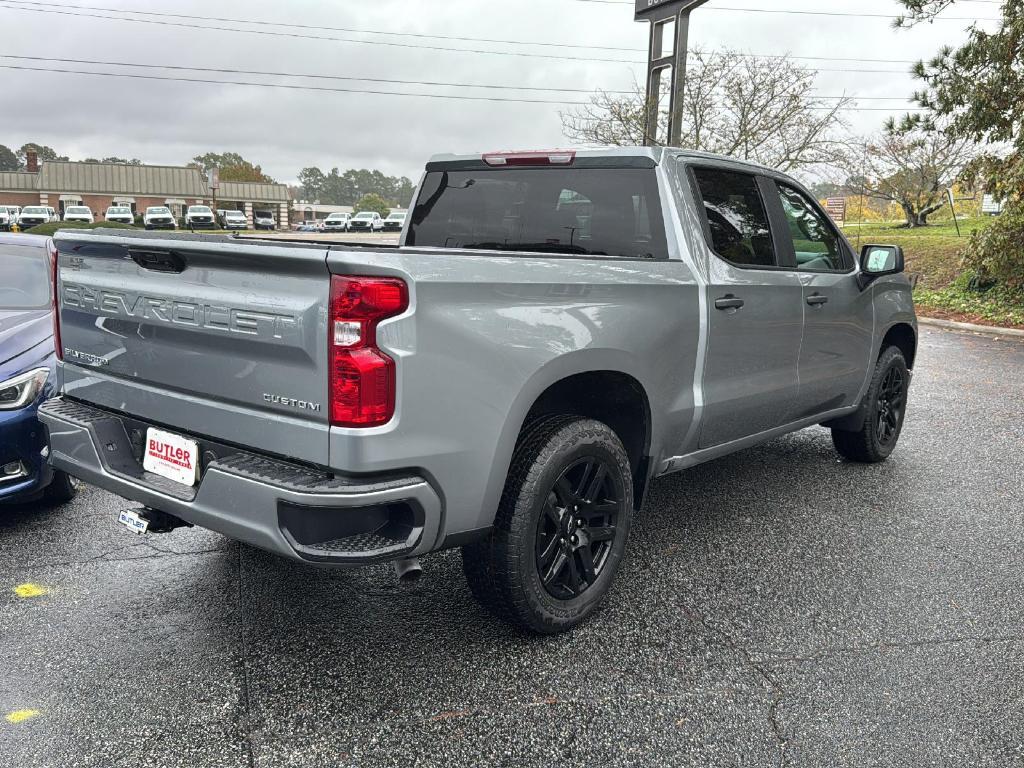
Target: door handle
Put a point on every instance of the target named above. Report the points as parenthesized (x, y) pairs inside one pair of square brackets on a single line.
[(816, 299), (728, 302)]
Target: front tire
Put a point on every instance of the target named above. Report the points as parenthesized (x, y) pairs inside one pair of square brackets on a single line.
[(561, 527), (885, 407), (61, 489)]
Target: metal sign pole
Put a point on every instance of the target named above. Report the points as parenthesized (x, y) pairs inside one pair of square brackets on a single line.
[(659, 13)]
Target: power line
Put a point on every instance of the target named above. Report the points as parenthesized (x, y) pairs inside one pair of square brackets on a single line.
[(312, 76), (289, 86), (160, 22), (796, 11), (349, 78), (458, 38)]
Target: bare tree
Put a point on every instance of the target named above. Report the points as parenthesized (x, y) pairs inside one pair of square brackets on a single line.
[(911, 164), (762, 109)]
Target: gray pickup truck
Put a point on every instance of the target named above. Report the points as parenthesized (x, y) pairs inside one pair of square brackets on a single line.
[(554, 331)]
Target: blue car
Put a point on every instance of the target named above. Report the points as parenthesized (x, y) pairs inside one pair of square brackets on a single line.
[(27, 371)]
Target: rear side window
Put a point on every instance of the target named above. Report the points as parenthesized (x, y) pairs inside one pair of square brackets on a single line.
[(586, 211), (736, 217), (816, 243)]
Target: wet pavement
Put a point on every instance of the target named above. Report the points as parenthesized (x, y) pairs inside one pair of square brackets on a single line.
[(777, 607)]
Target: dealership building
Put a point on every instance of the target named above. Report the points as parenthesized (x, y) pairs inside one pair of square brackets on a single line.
[(60, 183)]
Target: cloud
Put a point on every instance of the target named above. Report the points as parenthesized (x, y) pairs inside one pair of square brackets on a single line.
[(284, 131)]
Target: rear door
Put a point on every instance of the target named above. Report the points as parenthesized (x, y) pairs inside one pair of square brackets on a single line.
[(223, 340), (755, 311), (839, 316)]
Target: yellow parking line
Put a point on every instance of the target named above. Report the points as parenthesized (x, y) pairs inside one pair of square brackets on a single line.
[(31, 590), (21, 715)]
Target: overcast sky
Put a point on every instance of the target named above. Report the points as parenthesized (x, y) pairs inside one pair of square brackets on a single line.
[(286, 130)]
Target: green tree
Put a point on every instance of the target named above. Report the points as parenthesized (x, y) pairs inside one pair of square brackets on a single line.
[(113, 161), (44, 152), (233, 167), (8, 160), (978, 89), (373, 202), (337, 188)]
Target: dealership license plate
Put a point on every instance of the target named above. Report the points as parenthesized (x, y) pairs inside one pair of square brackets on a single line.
[(171, 456)]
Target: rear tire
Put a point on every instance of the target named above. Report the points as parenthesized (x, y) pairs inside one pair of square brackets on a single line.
[(61, 489), (561, 527), (885, 407)]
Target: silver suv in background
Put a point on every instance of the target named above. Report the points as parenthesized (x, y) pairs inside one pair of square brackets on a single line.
[(554, 330)]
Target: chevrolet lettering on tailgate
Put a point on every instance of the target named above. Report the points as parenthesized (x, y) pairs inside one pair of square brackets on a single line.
[(162, 309)]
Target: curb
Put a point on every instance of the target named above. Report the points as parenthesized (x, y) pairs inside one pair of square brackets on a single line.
[(990, 329)]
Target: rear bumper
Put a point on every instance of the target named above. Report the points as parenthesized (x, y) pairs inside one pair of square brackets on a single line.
[(292, 510)]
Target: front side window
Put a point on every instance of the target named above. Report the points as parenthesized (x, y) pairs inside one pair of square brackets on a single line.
[(587, 211), (736, 216), (817, 244)]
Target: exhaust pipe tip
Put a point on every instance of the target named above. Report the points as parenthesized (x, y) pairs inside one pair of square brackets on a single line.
[(408, 570)]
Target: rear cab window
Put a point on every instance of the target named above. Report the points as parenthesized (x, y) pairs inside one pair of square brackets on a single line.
[(736, 219), (571, 210)]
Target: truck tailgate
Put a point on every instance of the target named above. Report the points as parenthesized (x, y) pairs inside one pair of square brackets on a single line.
[(221, 339)]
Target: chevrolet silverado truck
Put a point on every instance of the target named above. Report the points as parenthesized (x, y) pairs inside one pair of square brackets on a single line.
[(554, 331)]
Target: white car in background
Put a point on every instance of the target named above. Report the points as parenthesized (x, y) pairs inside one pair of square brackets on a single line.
[(7, 219), (32, 215), (200, 217), (337, 222), (366, 221), (235, 220), (263, 220), (159, 217), (78, 213), (395, 221), (121, 214)]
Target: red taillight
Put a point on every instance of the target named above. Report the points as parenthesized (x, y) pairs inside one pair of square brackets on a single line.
[(554, 157), (58, 347), (362, 382)]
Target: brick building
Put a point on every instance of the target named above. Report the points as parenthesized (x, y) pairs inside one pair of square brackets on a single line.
[(61, 183)]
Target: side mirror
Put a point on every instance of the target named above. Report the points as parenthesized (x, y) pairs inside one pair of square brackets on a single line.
[(878, 260)]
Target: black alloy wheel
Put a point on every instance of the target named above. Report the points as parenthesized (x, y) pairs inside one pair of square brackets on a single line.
[(891, 400), (577, 528)]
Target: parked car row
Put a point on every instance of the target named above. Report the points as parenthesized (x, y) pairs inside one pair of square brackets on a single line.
[(364, 221)]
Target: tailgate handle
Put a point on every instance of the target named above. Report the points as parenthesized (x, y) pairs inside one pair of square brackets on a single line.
[(158, 261)]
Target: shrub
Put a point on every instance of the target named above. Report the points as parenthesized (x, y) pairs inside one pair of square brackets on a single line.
[(995, 255), (53, 226)]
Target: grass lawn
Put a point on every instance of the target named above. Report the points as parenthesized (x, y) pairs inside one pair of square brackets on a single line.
[(933, 255)]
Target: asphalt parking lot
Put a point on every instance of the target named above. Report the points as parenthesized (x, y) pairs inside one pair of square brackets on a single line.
[(777, 607)]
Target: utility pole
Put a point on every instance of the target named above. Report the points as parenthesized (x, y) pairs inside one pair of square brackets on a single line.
[(670, 23)]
